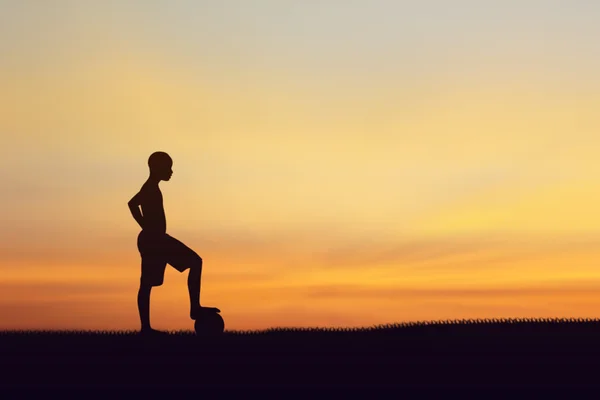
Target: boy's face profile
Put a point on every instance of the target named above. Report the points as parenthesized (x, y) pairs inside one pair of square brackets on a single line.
[(161, 166), (165, 171)]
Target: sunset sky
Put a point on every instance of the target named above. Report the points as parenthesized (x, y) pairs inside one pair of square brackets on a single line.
[(336, 162)]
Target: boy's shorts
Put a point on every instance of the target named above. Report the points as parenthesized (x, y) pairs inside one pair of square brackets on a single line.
[(159, 250)]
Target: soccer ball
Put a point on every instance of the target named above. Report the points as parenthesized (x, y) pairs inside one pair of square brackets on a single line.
[(209, 324)]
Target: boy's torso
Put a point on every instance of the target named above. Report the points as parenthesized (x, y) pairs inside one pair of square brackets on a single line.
[(152, 209)]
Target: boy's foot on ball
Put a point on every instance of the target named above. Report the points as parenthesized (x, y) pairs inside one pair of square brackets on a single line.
[(197, 311)]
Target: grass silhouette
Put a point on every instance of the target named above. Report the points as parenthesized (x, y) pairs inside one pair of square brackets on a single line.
[(487, 322), (521, 351)]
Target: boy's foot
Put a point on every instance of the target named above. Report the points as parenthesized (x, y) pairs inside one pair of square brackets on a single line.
[(153, 332), (197, 311)]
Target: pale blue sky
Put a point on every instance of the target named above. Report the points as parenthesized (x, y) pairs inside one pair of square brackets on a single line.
[(345, 36)]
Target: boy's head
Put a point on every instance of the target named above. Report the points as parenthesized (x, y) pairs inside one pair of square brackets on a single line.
[(160, 164)]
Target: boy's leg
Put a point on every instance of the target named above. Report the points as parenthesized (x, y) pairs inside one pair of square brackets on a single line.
[(153, 271), (152, 275), (143, 301), (181, 257), (194, 284)]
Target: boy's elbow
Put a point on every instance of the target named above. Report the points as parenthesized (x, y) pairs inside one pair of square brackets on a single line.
[(134, 201)]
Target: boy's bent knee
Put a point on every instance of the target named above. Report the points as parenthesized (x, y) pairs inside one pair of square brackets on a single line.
[(197, 261), (195, 264)]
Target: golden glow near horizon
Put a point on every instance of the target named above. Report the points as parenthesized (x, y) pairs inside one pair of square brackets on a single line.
[(328, 175)]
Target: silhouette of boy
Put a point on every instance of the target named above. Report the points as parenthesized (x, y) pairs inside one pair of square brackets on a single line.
[(157, 248)]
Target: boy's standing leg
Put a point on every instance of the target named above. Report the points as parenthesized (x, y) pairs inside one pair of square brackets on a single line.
[(143, 300), (153, 266)]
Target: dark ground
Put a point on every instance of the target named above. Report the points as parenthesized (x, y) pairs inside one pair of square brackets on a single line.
[(461, 354)]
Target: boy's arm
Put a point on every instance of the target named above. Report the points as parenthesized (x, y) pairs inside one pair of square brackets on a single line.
[(134, 207)]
